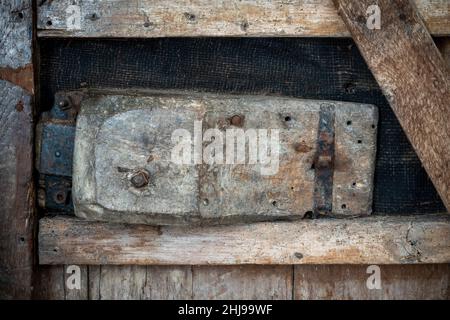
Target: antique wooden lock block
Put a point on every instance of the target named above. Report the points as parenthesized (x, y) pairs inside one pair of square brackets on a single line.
[(193, 158)]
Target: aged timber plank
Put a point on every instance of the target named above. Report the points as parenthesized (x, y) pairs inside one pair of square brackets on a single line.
[(380, 240), (160, 18), (413, 76), (17, 221), (49, 283), (349, 282), (146, 283), (168, 283), (242, 282), (121, 283)]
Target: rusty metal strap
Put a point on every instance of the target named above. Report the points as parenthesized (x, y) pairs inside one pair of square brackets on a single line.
[(324, 162)]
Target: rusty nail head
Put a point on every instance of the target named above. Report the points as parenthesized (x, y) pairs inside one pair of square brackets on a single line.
[(60, 197), (236, 120), (140, 178)]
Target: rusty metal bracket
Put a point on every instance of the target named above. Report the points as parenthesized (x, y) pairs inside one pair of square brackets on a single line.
[(324, 163), (55, 143)]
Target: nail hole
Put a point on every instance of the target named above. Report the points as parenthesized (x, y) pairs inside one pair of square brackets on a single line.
[(354, 184), (55, 250), (146, 24), (313, 166), (298, 255), (244, 26), (20, 15), (344, 206), (22, 239), (274, 203), (373, 126), (189, 16), (287, 118), (292, 188), (359, 141), (349, 122), (402, 16), (205, 202)]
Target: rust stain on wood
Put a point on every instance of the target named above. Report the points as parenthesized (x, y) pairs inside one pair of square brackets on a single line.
[(22, 77)]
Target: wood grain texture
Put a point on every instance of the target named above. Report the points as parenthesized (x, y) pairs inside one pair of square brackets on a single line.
[(345, 282), (380, 240), (17, 220), (413, 76), (242, 282), (140, 282), (49, 283), (15, 33), (150, 18), (317, 282)]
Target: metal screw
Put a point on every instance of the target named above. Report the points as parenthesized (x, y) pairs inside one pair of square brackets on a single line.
[(140, 178)]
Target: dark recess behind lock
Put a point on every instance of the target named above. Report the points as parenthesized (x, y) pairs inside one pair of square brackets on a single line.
[(330, 69)]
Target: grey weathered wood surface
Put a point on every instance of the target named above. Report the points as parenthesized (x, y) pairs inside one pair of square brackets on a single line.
[(346, 282), (150, 18), (377, 240), (242, 282), (413, 76), (140, 282), (105, 154), (301, 282), (17, 220)]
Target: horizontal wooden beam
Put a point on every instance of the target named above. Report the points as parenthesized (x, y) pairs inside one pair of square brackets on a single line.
[(180, 18), (371, 240)]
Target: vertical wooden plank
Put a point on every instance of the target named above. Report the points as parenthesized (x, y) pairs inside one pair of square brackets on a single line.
[(17, 219), (94, 282), (348, 282), (168, 283), (242, 282), (412, 74), (49, 283), (122, 282), (133, 282)]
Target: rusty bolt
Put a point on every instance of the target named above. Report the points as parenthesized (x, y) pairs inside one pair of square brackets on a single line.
[(236, 121), (140, 178), (60, 197)]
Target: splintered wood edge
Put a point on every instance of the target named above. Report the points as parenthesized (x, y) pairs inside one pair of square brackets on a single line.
[(178, 18), (371, 240)]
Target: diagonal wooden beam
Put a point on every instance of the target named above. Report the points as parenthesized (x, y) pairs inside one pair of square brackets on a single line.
[(412, 74)]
